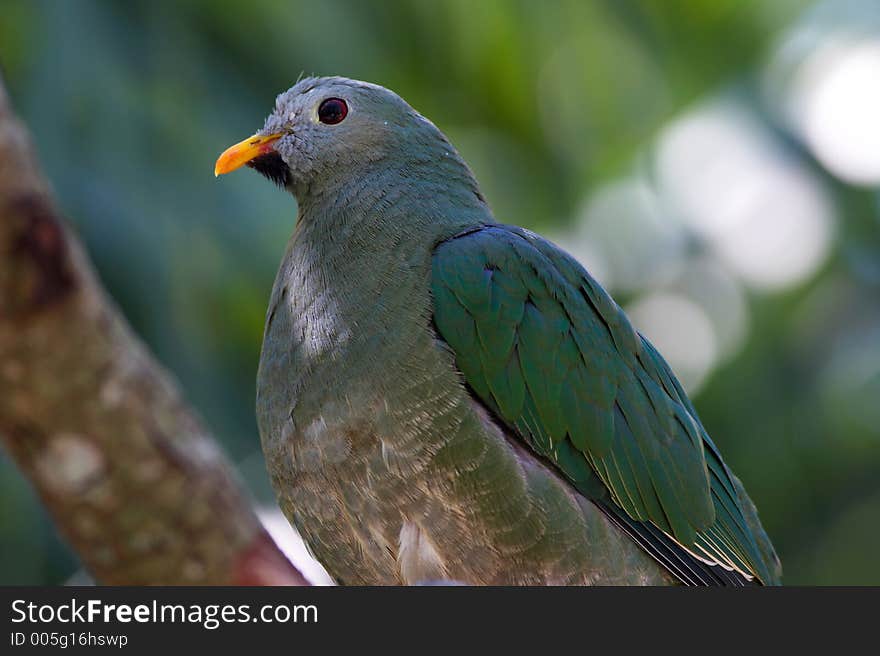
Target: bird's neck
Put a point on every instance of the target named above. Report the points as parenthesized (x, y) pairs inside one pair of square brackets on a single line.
[(373, 237), (433, 176), (385, 210)]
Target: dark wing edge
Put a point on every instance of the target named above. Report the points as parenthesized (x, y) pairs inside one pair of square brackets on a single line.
[(726, 487), (679, 561), (481, 330)]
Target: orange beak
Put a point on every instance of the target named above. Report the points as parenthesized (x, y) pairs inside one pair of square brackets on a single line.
[(243, 152)]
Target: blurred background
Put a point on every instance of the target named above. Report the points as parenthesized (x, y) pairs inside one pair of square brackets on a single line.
[(715, 164)]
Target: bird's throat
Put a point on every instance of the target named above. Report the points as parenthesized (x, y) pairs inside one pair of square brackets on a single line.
[(273, 167)]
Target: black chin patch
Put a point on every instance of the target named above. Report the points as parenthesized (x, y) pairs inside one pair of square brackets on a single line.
[(273, 167)]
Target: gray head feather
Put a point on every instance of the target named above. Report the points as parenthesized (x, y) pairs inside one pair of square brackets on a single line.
[(382, 141)]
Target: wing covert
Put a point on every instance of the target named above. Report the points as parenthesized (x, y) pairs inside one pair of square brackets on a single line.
[(550, 353)]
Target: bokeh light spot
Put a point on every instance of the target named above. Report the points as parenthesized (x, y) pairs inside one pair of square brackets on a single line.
[(761, 211), (836, 103)]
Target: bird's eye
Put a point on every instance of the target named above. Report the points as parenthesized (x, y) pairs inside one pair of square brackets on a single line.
[(332, 111)]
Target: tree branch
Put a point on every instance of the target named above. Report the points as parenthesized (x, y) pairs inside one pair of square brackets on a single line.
[(129, 473)]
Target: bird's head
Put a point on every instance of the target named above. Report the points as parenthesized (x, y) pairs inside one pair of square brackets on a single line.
[(331, 130)]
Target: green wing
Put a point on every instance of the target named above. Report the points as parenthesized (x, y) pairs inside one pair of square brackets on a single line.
[(545, 348)]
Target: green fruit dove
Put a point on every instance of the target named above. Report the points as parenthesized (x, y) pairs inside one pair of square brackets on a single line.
[(444, 397)]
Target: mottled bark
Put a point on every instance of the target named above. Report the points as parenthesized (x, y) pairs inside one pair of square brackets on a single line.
[(129, 473)]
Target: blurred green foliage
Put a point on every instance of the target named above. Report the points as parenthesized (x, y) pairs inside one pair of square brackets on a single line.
[(130, 103)]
